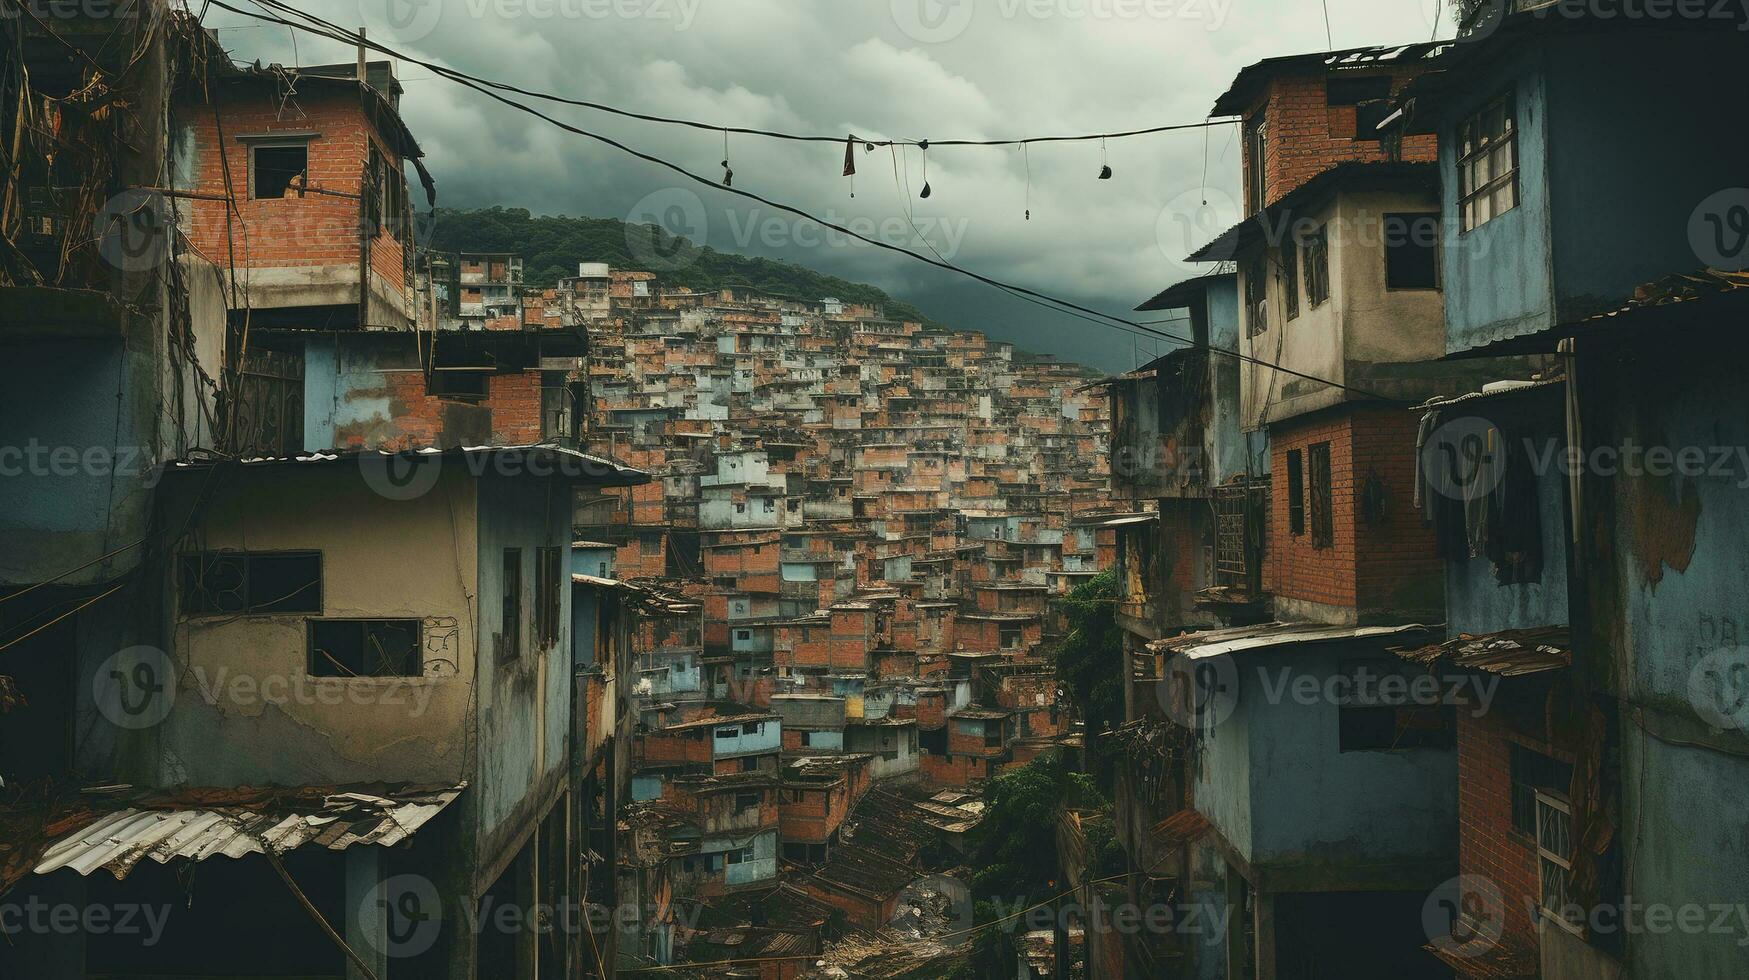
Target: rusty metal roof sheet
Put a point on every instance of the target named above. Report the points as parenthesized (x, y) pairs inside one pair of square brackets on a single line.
[(1220, 643), (336, 820), (1507, 653)]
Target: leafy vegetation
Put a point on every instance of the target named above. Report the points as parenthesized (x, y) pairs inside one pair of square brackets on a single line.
[(1090, 664), (552, 245)]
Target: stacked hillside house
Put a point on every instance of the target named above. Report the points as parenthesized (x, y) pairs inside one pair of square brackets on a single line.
[(1403, 695), (304, 621)]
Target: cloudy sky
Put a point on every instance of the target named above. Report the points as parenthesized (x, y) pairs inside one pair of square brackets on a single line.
[(912, 69)]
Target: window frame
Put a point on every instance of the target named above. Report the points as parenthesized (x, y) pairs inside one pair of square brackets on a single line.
[(510, 606), (1289, 276), (1409, 221), (1551, 810), (203, 560), (1256, 296), (1256, 152), (311, 625), (548, 595), (1296, 492), (292, 190), (1315, 266), (1473, 147), (1320, 490)]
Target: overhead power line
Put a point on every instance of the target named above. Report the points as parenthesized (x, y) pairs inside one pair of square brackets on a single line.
[(335, 32)]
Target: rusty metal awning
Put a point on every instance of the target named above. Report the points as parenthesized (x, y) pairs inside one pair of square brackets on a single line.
[(1263, 636), (1507, 653), (335, 819)]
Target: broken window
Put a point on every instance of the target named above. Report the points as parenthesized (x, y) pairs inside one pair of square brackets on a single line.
[(1318, 465), (251, 582), (364, 648), (1317, 266), (1554, 861), (548, 605), (1296, 493), (1290, 279), (1487, 164), (1375, 716), (275, 170), (1411, 251), (1532, 773), (510, 612), (1256, 304)]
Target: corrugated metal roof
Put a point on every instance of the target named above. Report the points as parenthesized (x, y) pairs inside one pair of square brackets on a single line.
[(1220, 643), (1507, 653), (118, 841)]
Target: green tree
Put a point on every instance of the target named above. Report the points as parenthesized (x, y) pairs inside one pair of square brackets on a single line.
[(1089, 662)]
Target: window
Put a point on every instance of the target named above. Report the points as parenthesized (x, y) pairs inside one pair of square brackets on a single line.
[(1487, 164), (1533, 772), (728, 733), (1255, 137), (649, 545), (1317, 262), (1370, 719), (1290, 279), (1318, 477), (461, 384), (1554, 863), (749, 763), (1010, 637), (746, 801), (1411, 251), (510, 614), (547, 595), (743, 634), (224, 582), (365, 648), (750, 727), (275, 170), (1256, 306), (1296, 493), (992, 736)]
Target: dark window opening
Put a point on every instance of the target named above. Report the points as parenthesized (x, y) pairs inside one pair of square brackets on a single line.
[(365, 648), (1411, 251), (1533, 772), (1355, 89), (746, 801), (510, 613), (750, 763), (278, 169), (1367, 117), (241, 582), (1290, 280), (1256, 133), (1370, 720), (1296, 493), (1318, 465), (1256, 304), (649, 545), (1317, 266), (459, 384), (548, 604)]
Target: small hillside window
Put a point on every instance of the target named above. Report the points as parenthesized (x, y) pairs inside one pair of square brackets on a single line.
[(1256, 135), (746, 801), (1290, 280), (1318, 479), (1411, 251), (510, 612), (1487, 163), (1554, 861), (364, 648), (459, 385), (1296, 493), (277, 171), (548, 604), (1534, 773), (1256, 305), (223, 582), (1317, 262)]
